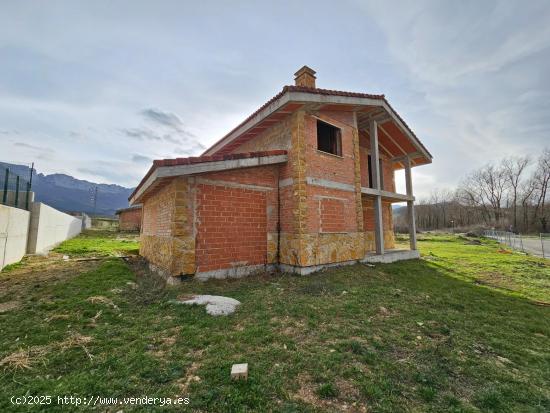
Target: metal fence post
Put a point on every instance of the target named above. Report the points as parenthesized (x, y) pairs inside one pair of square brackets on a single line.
[(17, 191), (5, 194), (541, 244), (521, 241)]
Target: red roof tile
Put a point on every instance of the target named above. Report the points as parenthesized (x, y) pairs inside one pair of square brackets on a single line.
[(204, 159)]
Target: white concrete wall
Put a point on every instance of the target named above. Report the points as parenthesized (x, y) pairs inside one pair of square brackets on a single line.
[(14, 228), (49, 227)]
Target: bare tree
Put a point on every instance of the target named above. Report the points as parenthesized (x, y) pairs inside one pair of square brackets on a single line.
[(510, 192), (525, 195), (486, 188), (542, 179), (513, 169)]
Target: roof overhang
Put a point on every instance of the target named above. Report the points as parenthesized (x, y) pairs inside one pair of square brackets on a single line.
[(158, 175), (368, 107)]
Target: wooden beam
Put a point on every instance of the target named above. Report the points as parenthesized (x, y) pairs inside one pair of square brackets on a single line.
[(393, 140), (388, 153)]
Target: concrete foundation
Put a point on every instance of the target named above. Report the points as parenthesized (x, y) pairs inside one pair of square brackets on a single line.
[(247, 270), (392, 256), (236, 272)]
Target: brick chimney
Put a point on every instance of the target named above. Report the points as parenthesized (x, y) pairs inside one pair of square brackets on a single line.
[(305, 77)]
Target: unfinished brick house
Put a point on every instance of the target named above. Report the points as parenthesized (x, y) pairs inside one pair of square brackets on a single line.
[(305, 182), (129, 219)]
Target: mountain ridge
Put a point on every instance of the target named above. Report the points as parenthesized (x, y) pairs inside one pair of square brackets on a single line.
[(67, 193)]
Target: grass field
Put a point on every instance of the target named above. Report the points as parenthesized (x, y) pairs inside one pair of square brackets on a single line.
[(465, 329)]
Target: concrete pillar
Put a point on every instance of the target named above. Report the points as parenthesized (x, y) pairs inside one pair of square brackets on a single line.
[(410, 204), (375, 168)]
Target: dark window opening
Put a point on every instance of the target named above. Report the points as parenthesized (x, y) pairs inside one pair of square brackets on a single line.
[(381, 170), (329, 138), (381, 175), (369, 165)]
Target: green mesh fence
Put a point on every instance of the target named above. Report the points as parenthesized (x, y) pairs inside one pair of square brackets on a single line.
[(15, 190)]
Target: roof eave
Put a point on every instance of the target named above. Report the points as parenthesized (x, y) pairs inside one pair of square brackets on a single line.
[(165, 172), (287, 96)]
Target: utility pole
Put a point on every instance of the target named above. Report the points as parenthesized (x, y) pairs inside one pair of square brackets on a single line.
[(93, 197)]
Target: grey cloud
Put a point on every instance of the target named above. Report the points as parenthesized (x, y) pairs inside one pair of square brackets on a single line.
[(33, 147), (141, 133), (167, 119), (173, 136), (141, 158), (184, 151)]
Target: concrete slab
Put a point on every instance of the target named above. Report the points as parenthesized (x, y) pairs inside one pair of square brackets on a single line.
[(392, 256), (215, 304)]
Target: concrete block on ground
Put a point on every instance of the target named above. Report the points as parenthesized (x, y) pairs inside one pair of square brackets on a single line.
[(239, 371)]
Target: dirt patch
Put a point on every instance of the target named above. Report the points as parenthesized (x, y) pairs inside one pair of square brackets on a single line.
[(39, 270), (307, 393), (100, 299), (162, 345), (191, 373), (57, 317), (26, 358), (23, 358), (8, 306)]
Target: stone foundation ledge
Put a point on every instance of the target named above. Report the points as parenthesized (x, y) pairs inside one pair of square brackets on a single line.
[(235, 272), (294, 269), (246, 270)]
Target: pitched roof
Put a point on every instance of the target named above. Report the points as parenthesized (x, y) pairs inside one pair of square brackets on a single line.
[(318, 91)]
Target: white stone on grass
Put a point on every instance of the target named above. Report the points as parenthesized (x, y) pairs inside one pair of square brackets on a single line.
[(239, 371), (215, 304)]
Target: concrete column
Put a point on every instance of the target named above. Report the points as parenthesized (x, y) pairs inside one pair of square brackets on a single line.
[(410, 204), (375, 167)]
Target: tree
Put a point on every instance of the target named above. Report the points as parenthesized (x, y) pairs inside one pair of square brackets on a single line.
[(485, 188), (542, 178), (513, 169)]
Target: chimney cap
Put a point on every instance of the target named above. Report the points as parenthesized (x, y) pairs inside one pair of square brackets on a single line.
[(305, 69)]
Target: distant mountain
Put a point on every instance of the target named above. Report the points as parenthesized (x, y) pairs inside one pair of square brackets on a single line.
[(66, 193)]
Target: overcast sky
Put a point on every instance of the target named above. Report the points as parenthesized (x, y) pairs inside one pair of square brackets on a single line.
[(97, 89)]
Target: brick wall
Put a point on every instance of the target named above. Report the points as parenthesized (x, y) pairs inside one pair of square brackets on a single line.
[(167, 239), (275, 137), (236, 218), (332, 217), (231, 227), (130, 220), (387, 221)]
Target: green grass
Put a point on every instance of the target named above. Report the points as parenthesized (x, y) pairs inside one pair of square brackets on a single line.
[(411, 336), (11, 267), (100, 243), (489, 264)]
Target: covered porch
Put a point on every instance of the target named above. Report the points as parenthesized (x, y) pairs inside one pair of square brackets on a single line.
[(380, 192)]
